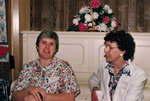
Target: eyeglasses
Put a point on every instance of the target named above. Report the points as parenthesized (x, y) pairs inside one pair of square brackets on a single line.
[(109, 47)]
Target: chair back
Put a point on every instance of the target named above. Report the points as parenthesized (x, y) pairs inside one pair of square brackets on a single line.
[(4, 90)]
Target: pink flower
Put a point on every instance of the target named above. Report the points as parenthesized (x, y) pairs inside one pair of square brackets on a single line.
[(82, 27), (117, 23), (106, 19), (38, 69), (94, 3)]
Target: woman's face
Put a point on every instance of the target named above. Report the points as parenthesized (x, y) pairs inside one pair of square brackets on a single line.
[(47, 48), (112, 52)]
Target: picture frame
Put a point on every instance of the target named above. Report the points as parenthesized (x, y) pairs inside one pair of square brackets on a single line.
[(4, 52), (3, 22)]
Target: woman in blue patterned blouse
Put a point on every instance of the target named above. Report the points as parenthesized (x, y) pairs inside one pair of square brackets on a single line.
[(118, 79)]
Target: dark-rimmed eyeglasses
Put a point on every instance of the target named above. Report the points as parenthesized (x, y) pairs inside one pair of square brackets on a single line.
[(109, 47)]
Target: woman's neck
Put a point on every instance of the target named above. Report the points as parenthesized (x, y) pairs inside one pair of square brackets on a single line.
[(118, 66), (45, 62)]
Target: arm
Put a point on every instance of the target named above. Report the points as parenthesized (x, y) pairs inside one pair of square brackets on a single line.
[(136, 89), (23, 89), (19, 95), (94, 84), (60, 97), (18, 92), (94, 80), (29, 94), (69, 82)]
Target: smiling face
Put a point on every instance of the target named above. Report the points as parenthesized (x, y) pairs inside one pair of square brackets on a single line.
[(112, 52), (47, 48)]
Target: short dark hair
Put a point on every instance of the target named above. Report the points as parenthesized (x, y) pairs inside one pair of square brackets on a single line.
[(48, 34), (124, 41)]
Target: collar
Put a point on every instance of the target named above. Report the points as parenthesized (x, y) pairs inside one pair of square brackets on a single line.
[(125, 70), (38, 68)]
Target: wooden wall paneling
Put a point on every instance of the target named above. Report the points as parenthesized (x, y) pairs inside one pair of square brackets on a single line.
[(105, 1), (48, 14), (24, 22), (82, 3), (63, 14), (132, 16), (9, 23), (32, 7), (123, 13), (35, 15), (66, 14), (59, 14), (73, 8), (114, 6), (147, 15), (70, 7), (140, 15), (9, 32), (15, 36), (24, 13)]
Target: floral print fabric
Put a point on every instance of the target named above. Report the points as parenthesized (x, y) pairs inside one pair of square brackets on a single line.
[(114, 79), (57, 77)]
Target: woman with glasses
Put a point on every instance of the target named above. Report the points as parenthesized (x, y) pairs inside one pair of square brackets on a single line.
[(119, 79)]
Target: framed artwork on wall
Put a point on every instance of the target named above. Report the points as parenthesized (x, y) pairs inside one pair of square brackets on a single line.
[(3, 22), (4, 54)]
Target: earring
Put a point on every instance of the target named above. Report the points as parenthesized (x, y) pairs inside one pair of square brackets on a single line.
[(121, 55)]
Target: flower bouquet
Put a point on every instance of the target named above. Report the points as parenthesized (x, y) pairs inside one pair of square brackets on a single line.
[(94, 17)]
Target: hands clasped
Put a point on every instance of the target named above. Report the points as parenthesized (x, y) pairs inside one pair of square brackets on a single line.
[(35, 94)]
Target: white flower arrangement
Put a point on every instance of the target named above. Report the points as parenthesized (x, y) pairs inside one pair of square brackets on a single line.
[(94, 17)]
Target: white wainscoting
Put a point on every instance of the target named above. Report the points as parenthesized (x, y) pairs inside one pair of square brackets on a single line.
[(84, 51)]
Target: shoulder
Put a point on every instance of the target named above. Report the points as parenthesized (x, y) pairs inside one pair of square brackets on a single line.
[(32, 63), (64, 65), (137, 70), (102, 66), (61, 62)]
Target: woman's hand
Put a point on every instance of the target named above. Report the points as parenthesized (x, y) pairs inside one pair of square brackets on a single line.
[(38, 93), (29, 98), (94, 96)]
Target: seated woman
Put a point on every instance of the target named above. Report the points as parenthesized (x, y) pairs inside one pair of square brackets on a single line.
[(47, 78), (118, 79)]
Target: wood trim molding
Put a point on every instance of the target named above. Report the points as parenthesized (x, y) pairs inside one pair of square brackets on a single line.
[(15, 37)]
